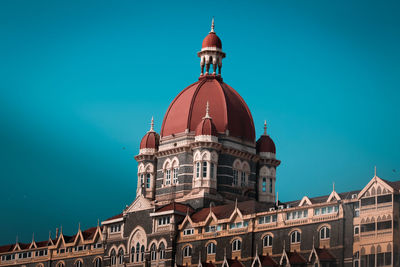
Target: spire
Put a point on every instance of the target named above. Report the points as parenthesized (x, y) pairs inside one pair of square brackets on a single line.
[(16, 239), (333, 189), (207, 111), (79, 226), (277, 199), (152, 124), (375, 171), (98, 222), (33, 237), (49, 234), (265, 127), (236, 204), (212, 25)]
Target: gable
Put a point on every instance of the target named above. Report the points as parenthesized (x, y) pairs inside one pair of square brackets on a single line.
[(140, 203)]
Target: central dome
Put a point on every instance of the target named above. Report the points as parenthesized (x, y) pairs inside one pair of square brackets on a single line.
[(228, 110)]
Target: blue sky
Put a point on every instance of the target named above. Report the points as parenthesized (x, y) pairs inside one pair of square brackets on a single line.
[(80, 80)]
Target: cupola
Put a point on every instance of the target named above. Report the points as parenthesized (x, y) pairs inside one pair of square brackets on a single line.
[(206, 130), (211, 53), (265, 146), (150, 142)]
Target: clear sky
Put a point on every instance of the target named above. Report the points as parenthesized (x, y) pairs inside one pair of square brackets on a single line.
[(80, 80)]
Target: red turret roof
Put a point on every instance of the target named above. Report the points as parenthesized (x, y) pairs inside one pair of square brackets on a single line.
[(150, 140), (227, 109), (206, 127), (212, 40), (265, 144)]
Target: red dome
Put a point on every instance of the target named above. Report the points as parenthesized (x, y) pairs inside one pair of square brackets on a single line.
[(212, 40), (150, 140), (265, 144), (206, 127), (227, 109)]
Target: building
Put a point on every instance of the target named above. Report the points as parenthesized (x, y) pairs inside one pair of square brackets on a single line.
[(206, 197)]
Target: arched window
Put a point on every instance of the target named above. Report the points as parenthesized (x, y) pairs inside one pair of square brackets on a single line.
[(187, 251), (243, 179), (264, 184), (197, 169), (211, 248), (204, 169), (120, 256), (141, 180), (175, 176), (153, 252), (148, 180), (324, 233), (162, 251), (137, 251), (267, 241), (168, 177), (235, 177), (236, 245), (270, 185), (78, 264), (132, 254), (97, 262), (60, 264), (212, 170), (142, 253), (113, 257), (295, 237)]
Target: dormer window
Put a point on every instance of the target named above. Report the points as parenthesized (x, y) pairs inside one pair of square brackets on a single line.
[(293, 215), (163, 220), (267, 219), (189, 231), (115, 228), (239, 225), (213, 228)]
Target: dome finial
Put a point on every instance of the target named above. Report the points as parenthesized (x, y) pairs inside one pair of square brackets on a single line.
[(207, 111), (212, 25), (265, 127), (152, 124)]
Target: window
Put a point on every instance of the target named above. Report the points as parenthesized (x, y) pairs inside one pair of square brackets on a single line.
[(8, 257), (162, 251), (204, 169), (367, 201), (270, 185), (97, 262), (188, 231), (211, 248), (115, 228), (239, 225), (267, 241), (98, 245), (142, 253), (197, 169), (137, 252), (243, 179), (326, 210), (78, 264), (295, 237), (264, 184), (212, 167), (187, 251), (60, 264), (356, 230), (267, 219), (235, 177), (167, 177), (324, 233), (133, 251), (175, 176), (148, 180), (113, 257), (153, 252), (369, 227), (236, 245), (384, 199), (384, 225), (297, 214), (213, 228), (163, 220), (120, 256), (41, 253), (141, 180)]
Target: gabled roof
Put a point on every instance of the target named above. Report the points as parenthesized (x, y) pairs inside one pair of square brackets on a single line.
[(176, 207), (234, 263), (7, 248), (267, 261), (115, 217), (324, 254), (225, 211), (296, 258), (208, 264)]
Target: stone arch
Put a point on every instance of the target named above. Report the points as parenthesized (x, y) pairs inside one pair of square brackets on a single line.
[(197, 156), (246, 167), (362, 251), (373, 191), (367, 194), (372, 249), (378, 190), (175, 162), (149, 168), (389, 247), (237, 164), (206, 155), (264, 171), (167, 164), (214, 156), (378, 249), (141, 168), (137, 235)]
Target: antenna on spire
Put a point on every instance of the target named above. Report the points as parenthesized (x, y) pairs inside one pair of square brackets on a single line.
[(152, 124), (79, 226), (212, 25), (207, 111), (333, 189), (265, 127), (375, 171)]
